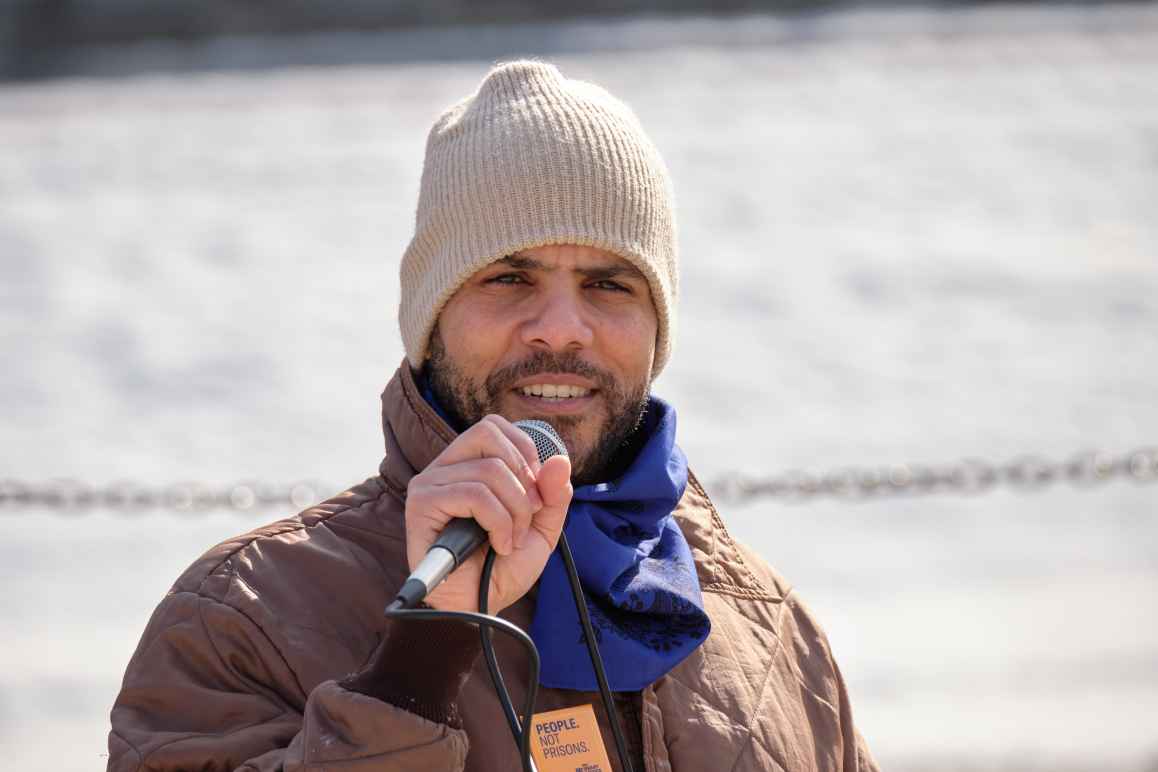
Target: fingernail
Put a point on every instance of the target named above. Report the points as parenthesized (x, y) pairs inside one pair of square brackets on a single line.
[(535, 499)]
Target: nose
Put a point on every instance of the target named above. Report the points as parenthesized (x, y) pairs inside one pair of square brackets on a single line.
[(558, 323)]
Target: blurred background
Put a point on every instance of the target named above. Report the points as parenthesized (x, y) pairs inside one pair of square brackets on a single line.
[(911, 235)]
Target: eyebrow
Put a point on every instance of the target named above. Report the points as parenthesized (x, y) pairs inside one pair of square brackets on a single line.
[(597, 272)]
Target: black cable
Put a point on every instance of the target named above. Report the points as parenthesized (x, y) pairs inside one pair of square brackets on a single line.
[(520, 731), (486, 622), (593, 652), (523, 737)]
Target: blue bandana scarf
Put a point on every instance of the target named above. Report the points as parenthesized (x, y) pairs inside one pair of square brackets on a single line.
[(636, 569)]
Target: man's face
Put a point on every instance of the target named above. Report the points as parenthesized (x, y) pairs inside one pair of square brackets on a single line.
[(570, 321)]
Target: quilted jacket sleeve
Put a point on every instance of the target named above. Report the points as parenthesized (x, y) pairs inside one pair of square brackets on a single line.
[(821, 678), (207, 690), (858, 756)]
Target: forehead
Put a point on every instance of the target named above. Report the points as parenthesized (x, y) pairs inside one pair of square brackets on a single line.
[(569, 257)]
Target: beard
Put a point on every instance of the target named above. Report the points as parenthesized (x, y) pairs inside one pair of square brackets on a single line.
[(469, 401)]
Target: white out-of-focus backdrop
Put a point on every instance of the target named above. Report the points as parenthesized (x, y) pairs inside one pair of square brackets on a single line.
[(907, 236)]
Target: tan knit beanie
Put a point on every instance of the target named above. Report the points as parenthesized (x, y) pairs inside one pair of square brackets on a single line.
[(533, 158)]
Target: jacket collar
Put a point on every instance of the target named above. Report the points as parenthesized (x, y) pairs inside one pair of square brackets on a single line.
[(415, 434)]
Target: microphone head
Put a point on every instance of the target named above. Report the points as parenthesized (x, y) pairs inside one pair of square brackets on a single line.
[(547, 440)]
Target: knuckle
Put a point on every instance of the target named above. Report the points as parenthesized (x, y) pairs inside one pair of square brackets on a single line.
[(527, 445), (524, 453), (481, 427), (491, 430), (478, 492), (495, 467)]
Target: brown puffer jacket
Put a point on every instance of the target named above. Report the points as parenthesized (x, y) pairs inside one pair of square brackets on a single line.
[(239, 666)]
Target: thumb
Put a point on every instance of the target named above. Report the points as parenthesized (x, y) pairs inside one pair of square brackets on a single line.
[(554, 484)]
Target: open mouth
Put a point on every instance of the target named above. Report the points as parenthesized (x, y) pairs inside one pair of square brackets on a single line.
[(551, 392), (555, 398)]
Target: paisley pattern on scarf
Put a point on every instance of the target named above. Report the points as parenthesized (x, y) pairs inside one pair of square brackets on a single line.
[(636, 569), (662, 621)]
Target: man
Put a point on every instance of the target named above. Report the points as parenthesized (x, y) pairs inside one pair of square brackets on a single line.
[(540, 283)]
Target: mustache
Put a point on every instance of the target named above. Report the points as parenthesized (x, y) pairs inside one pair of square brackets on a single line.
[(547, 362)]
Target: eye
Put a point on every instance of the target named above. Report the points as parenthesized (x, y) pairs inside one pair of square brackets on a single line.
[(608, 284), (506, 278)]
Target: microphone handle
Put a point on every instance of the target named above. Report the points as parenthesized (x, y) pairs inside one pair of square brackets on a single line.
[(461, 537), (454, 545), (464, 535)]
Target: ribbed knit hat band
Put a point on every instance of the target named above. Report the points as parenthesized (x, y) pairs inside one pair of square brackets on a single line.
[(533, 158)]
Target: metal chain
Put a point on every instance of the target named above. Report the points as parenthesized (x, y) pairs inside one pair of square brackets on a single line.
[(967, 477), (74, 497)]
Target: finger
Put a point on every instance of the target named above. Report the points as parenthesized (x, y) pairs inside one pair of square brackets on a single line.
[(555, 488), (522, 501), (520, 439), (485, 439), (438, 503)]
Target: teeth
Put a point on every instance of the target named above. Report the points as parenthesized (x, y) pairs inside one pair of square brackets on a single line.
[(554, 391)]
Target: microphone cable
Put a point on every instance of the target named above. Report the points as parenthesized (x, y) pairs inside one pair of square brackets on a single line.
[(520, 730), (486, 623)]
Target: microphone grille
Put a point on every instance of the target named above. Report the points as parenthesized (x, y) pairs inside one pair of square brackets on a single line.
[(547, 440)]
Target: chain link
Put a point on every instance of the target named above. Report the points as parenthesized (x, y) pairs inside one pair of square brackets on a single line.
[(967, 477), (75, 497)]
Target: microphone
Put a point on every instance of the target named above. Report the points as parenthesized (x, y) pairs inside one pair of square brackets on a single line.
[(464, 535)]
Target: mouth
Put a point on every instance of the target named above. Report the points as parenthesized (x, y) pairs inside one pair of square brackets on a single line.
[(555, 398), (554, 391)]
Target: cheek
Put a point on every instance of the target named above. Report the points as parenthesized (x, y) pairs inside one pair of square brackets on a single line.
[(629, 338), (473, 338)]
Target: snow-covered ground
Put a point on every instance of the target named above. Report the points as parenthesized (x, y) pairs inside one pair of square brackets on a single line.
[(907, 236)]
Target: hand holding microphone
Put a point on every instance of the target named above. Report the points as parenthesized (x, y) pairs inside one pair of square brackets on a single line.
[(492, 475)]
